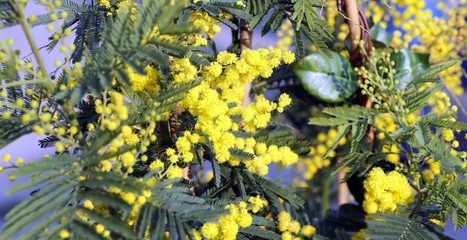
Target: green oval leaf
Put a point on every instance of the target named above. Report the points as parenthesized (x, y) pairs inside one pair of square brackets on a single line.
[(328, 79), (408, 66)]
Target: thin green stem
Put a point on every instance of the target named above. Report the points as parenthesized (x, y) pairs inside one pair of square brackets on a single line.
[(165, 173), (27, 31), (21, 82)]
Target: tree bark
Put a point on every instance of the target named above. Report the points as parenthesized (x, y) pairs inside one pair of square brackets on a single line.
[(359, 31), (245, 43)]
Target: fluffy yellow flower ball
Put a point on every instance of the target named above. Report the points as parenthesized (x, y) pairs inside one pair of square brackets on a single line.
[(383, 192)]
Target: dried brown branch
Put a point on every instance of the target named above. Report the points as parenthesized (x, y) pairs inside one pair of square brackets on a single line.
[(359, 31), (245, 43)]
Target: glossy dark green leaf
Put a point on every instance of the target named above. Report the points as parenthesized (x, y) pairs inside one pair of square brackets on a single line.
[(328, 79), (380, 36), (408, 66)]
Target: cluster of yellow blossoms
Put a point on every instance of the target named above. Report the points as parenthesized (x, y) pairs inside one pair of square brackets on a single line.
[(208, 25), (386, 124), (113, 111), (228, 226), (201, 20), (217, 105), (183, 70), (383, 192), (360, 235), (147, 82), (432, 170), (18, 162), (441, 103), (443, 37), (291, 229), (136, 201), (392, 153), (217, 102)]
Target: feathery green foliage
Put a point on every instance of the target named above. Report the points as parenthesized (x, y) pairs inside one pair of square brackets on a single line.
[(393, 226), (304, 18)]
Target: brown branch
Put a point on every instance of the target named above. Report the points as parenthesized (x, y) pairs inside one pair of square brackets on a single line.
[(342, 193), (351, 8), (359, 31), (245, 43)]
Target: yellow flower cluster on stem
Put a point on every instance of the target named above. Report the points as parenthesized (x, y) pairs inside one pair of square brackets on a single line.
[(217, 104), (228, 226), (383, 192), (113, 111), (441, 36), (148, 81), (432, 171), (290, 229), (207, 25)]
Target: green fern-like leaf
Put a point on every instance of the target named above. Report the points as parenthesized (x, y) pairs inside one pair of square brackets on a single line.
[(258, 6), (393, 226), (457, 199), (428, 75), (177, 208), (353, 160), (448, 124), (416, 100), (13, 129), (240, 154), (56, 203), (216, 7), (273, 22), (256, 20), (317, 39), (283, 136), (340, 134), (299, 45), (70, 5), (304, 12), (331, 122), (281, 192), (422, 134), (439, 150), (120, 42), (48, 142), (353, 113), (450, 199), (232, 8), (42, 206), (358, 133), (256, 232), (7, 15)]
